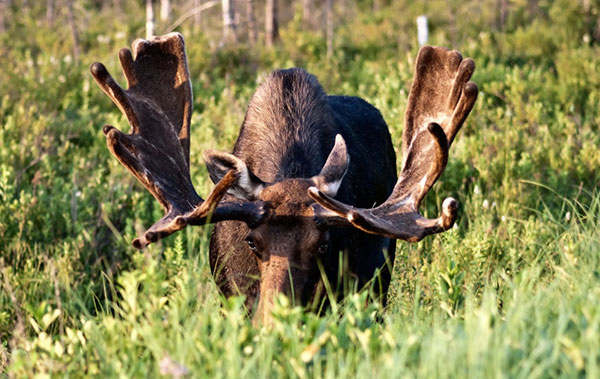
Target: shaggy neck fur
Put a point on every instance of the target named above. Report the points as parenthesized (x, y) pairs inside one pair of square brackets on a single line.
[(286, 118)]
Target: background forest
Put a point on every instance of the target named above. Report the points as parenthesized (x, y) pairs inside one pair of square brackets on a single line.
[(512, 291)]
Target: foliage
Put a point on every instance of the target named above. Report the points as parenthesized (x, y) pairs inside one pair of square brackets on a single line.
[(512, 290)]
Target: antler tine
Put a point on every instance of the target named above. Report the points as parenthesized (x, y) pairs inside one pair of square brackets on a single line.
[(158, 106), (441, 98), (174, 221)]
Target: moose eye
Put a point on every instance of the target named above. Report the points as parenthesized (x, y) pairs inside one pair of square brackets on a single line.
[(251, 244), (323, 248)]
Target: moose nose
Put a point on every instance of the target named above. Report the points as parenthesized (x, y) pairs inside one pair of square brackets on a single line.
[(275, 280)]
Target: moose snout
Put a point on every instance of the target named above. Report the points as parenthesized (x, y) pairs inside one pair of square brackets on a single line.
[(276, 279)]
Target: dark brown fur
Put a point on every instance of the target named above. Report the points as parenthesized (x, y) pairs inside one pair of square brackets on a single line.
[(287, 135)]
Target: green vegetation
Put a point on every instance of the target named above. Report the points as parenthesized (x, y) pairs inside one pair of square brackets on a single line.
[(512, 291)]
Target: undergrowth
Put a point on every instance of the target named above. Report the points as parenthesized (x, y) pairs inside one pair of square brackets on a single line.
[(511, 291)]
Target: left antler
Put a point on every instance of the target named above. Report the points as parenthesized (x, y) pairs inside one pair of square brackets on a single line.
[(440, 100), (158, 106)]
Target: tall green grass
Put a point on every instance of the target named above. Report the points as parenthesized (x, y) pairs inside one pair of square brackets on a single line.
[(511, 291), (539, 320)]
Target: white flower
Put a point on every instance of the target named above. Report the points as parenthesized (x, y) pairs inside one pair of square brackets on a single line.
[(586, 38), (103, 39), (168, 366)]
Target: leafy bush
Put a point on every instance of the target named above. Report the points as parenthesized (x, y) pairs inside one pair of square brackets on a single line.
[(510, 291)]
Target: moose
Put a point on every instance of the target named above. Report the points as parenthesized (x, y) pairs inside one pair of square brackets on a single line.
[(310, 190)]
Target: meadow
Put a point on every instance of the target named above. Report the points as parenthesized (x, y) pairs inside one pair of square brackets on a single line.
[(513, 290)]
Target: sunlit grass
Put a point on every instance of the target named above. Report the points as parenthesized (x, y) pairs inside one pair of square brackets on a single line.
[(542, 321), (511, 291)]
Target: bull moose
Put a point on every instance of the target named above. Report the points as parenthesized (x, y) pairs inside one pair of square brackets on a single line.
[(312, 177)]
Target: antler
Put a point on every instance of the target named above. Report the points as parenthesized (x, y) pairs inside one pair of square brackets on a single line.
[(440, 100), (158, 106)]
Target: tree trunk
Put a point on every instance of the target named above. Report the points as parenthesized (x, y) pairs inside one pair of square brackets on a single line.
[(271, 26), (197, 16), (534, 8), (422, 30), (376, 5), (149, 19), (228, 22), (251, 22), (586, 6), (3, 5), (50, 12), (307, 12), (74, 34), (502, 13), (165, 10), (329, 22)]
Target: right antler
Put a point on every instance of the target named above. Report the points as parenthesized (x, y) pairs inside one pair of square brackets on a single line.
[(440, 100), (158, 106)]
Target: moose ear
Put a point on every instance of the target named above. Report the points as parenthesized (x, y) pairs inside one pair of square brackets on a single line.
[(218, 163), (329, 179)]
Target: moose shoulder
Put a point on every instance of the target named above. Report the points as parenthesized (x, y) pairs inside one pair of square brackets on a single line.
[(311, 176)]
